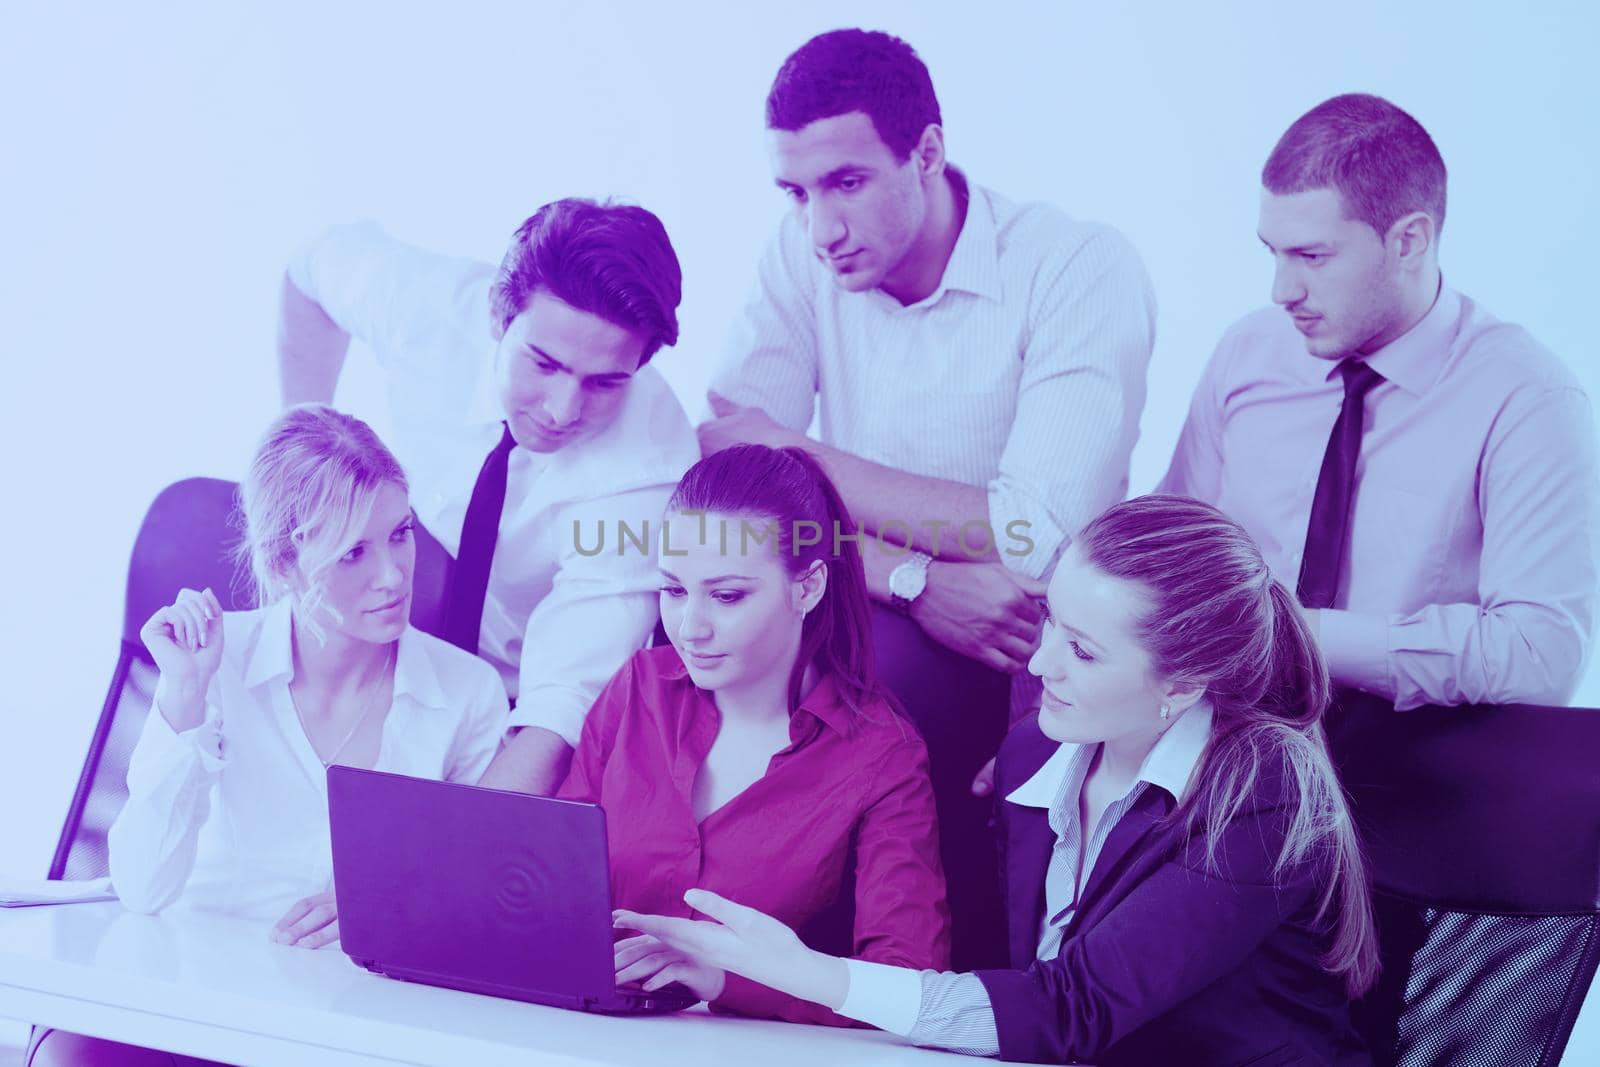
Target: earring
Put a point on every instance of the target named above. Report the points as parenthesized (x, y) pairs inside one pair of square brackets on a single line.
[(1166, 712)]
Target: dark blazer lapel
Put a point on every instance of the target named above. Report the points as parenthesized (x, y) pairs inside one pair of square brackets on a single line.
[(1026, 837), (1029, 841), (1121, 852)]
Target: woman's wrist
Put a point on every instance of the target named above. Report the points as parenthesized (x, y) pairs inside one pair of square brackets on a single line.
[(182, 705), (822, 979)]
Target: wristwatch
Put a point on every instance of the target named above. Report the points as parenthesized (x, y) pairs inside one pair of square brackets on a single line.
[(908, 580)]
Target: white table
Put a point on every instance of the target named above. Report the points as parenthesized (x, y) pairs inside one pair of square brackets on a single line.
[(218, 988)]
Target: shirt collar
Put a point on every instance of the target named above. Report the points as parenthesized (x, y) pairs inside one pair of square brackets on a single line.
[(1415, 359), (415, 674), (823, 702), (974, 264), (272, 658), (1168, 765)]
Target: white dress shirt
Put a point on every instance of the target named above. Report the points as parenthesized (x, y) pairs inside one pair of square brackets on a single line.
[(949, 1010), (1022, 373), (232, 815), (557, 622), (1473, 572)]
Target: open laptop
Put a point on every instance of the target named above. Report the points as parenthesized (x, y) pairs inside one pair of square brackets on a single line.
[(479, 889)]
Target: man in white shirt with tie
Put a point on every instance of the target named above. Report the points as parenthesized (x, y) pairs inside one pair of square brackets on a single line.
[(1423, 473), (532, 428), (978, 367)]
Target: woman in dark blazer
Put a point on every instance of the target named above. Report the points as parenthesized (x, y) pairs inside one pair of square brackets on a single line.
[(1183, 880)]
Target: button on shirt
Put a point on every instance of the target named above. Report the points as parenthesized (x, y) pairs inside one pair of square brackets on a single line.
[(232, 815), (569, 598), (1023, 372), (850, 784), (953, 1011), (1475, 528)]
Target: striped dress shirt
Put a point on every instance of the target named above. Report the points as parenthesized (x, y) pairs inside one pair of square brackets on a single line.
[(1023, 372)]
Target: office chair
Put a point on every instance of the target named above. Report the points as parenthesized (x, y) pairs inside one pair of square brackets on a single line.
[(187, 539), (1482, 828)]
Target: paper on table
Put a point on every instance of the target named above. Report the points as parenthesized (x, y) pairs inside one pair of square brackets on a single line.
[(26, 892)]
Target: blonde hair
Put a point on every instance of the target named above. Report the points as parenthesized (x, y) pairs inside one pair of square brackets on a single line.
[(307, 496), (1220, 619)]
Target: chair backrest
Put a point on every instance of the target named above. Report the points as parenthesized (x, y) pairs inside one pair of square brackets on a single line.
[(1482, 827), (187, 539)]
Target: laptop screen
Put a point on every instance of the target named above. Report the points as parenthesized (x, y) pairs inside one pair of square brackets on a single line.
[(449, 881)]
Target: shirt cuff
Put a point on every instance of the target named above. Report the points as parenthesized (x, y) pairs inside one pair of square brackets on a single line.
[(887, 997), (299, 269), (203, 741), (1026, 538), (553, 708), (1356, 646)]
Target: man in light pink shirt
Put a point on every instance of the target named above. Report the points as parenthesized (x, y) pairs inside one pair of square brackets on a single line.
[(1457, 556)]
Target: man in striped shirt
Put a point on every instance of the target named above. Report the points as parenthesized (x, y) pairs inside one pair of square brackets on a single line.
[(977, 369)]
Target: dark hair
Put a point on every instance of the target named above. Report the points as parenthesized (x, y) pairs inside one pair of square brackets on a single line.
[(788, 488), (610, 260), (1380, 159), (1218, 618), (842, 71)]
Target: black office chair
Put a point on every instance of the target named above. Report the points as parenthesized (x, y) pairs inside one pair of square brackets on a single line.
[(1482, 825), (186, 539)]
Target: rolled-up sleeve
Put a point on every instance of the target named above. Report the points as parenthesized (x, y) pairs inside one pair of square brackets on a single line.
[(420, 312), (1091, 331), (1527, 638), (601, 608), (770, 359), (154, 839)]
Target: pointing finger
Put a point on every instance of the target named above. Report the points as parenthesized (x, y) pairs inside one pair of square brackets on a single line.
[(719, 908)]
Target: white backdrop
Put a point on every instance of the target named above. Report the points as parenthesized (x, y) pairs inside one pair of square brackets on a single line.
[(158, 163)]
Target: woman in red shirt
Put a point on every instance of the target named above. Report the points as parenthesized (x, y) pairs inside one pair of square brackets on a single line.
[(756, 753)]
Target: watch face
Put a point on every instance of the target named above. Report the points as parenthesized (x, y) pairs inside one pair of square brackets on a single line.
[(897, 581), (907, 580)]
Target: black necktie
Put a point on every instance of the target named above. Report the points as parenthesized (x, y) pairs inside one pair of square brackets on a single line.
[(1329, 529), (469, 580)]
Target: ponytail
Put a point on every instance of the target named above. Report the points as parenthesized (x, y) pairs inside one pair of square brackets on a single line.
[(1220, 619), (837, 635), (1287, 730), (1298, 689)]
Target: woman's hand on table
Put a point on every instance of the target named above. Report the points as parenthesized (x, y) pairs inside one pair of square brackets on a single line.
[(309, 923)]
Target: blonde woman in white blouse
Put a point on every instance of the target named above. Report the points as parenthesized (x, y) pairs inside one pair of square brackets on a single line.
[(227, 806)]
